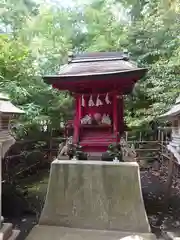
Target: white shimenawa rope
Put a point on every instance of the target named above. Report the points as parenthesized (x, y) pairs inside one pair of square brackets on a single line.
[(91, 103), (98, 101), (82, 101), (107, 99)]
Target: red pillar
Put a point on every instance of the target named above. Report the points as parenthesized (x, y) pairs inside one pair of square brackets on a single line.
[(115, 116), (77, 119), (121, 115)]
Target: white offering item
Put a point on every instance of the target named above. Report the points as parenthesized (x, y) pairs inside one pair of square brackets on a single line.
[(106, 119), (86, 120)]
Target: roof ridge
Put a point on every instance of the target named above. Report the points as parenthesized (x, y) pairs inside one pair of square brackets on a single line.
[(98, 55), (124, 58)]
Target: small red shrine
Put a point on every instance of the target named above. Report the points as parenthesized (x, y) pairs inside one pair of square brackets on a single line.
[(98, 82)]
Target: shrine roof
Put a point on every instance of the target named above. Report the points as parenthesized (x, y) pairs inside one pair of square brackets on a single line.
[(174, 111), (7, 107), (89, 64), (110, 70)]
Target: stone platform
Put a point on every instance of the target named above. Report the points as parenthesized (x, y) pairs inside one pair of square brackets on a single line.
[(61, 233), (103, 198)]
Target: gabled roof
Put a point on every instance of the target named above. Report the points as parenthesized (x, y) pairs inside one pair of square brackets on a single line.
[(87, 64), (89, 72), (7, 107)]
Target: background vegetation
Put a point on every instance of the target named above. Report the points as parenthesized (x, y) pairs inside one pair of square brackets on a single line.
[(36, 38)]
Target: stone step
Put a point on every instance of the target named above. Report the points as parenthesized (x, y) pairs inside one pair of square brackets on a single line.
[(7, 232), (87, 139), (94, 156), (14, 235), (95, 143), (146, 149), (62, 233), (97, 137)]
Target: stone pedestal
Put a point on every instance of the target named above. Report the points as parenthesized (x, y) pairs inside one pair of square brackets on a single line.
[(7, 112), (92, 195)]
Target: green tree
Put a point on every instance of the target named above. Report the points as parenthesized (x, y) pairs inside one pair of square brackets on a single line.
[(14, 14), (154, 43), (18, 79), (42, 36)]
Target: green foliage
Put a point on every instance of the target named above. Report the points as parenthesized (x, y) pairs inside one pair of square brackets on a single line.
[(154, 42), (14, 14), (48, 36), (115, 151), (42, 105), (36, 40)]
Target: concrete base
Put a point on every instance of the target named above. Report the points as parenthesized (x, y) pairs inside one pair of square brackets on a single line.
[(84, 196), (7, 232), (95, 195), (62, 233)]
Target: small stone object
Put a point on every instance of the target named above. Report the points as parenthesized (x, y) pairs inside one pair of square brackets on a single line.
[(132, 237), (177, 224), (115, 159), (2, 219), (74, 158), (156, 165), (64, 148), (128, 152)]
